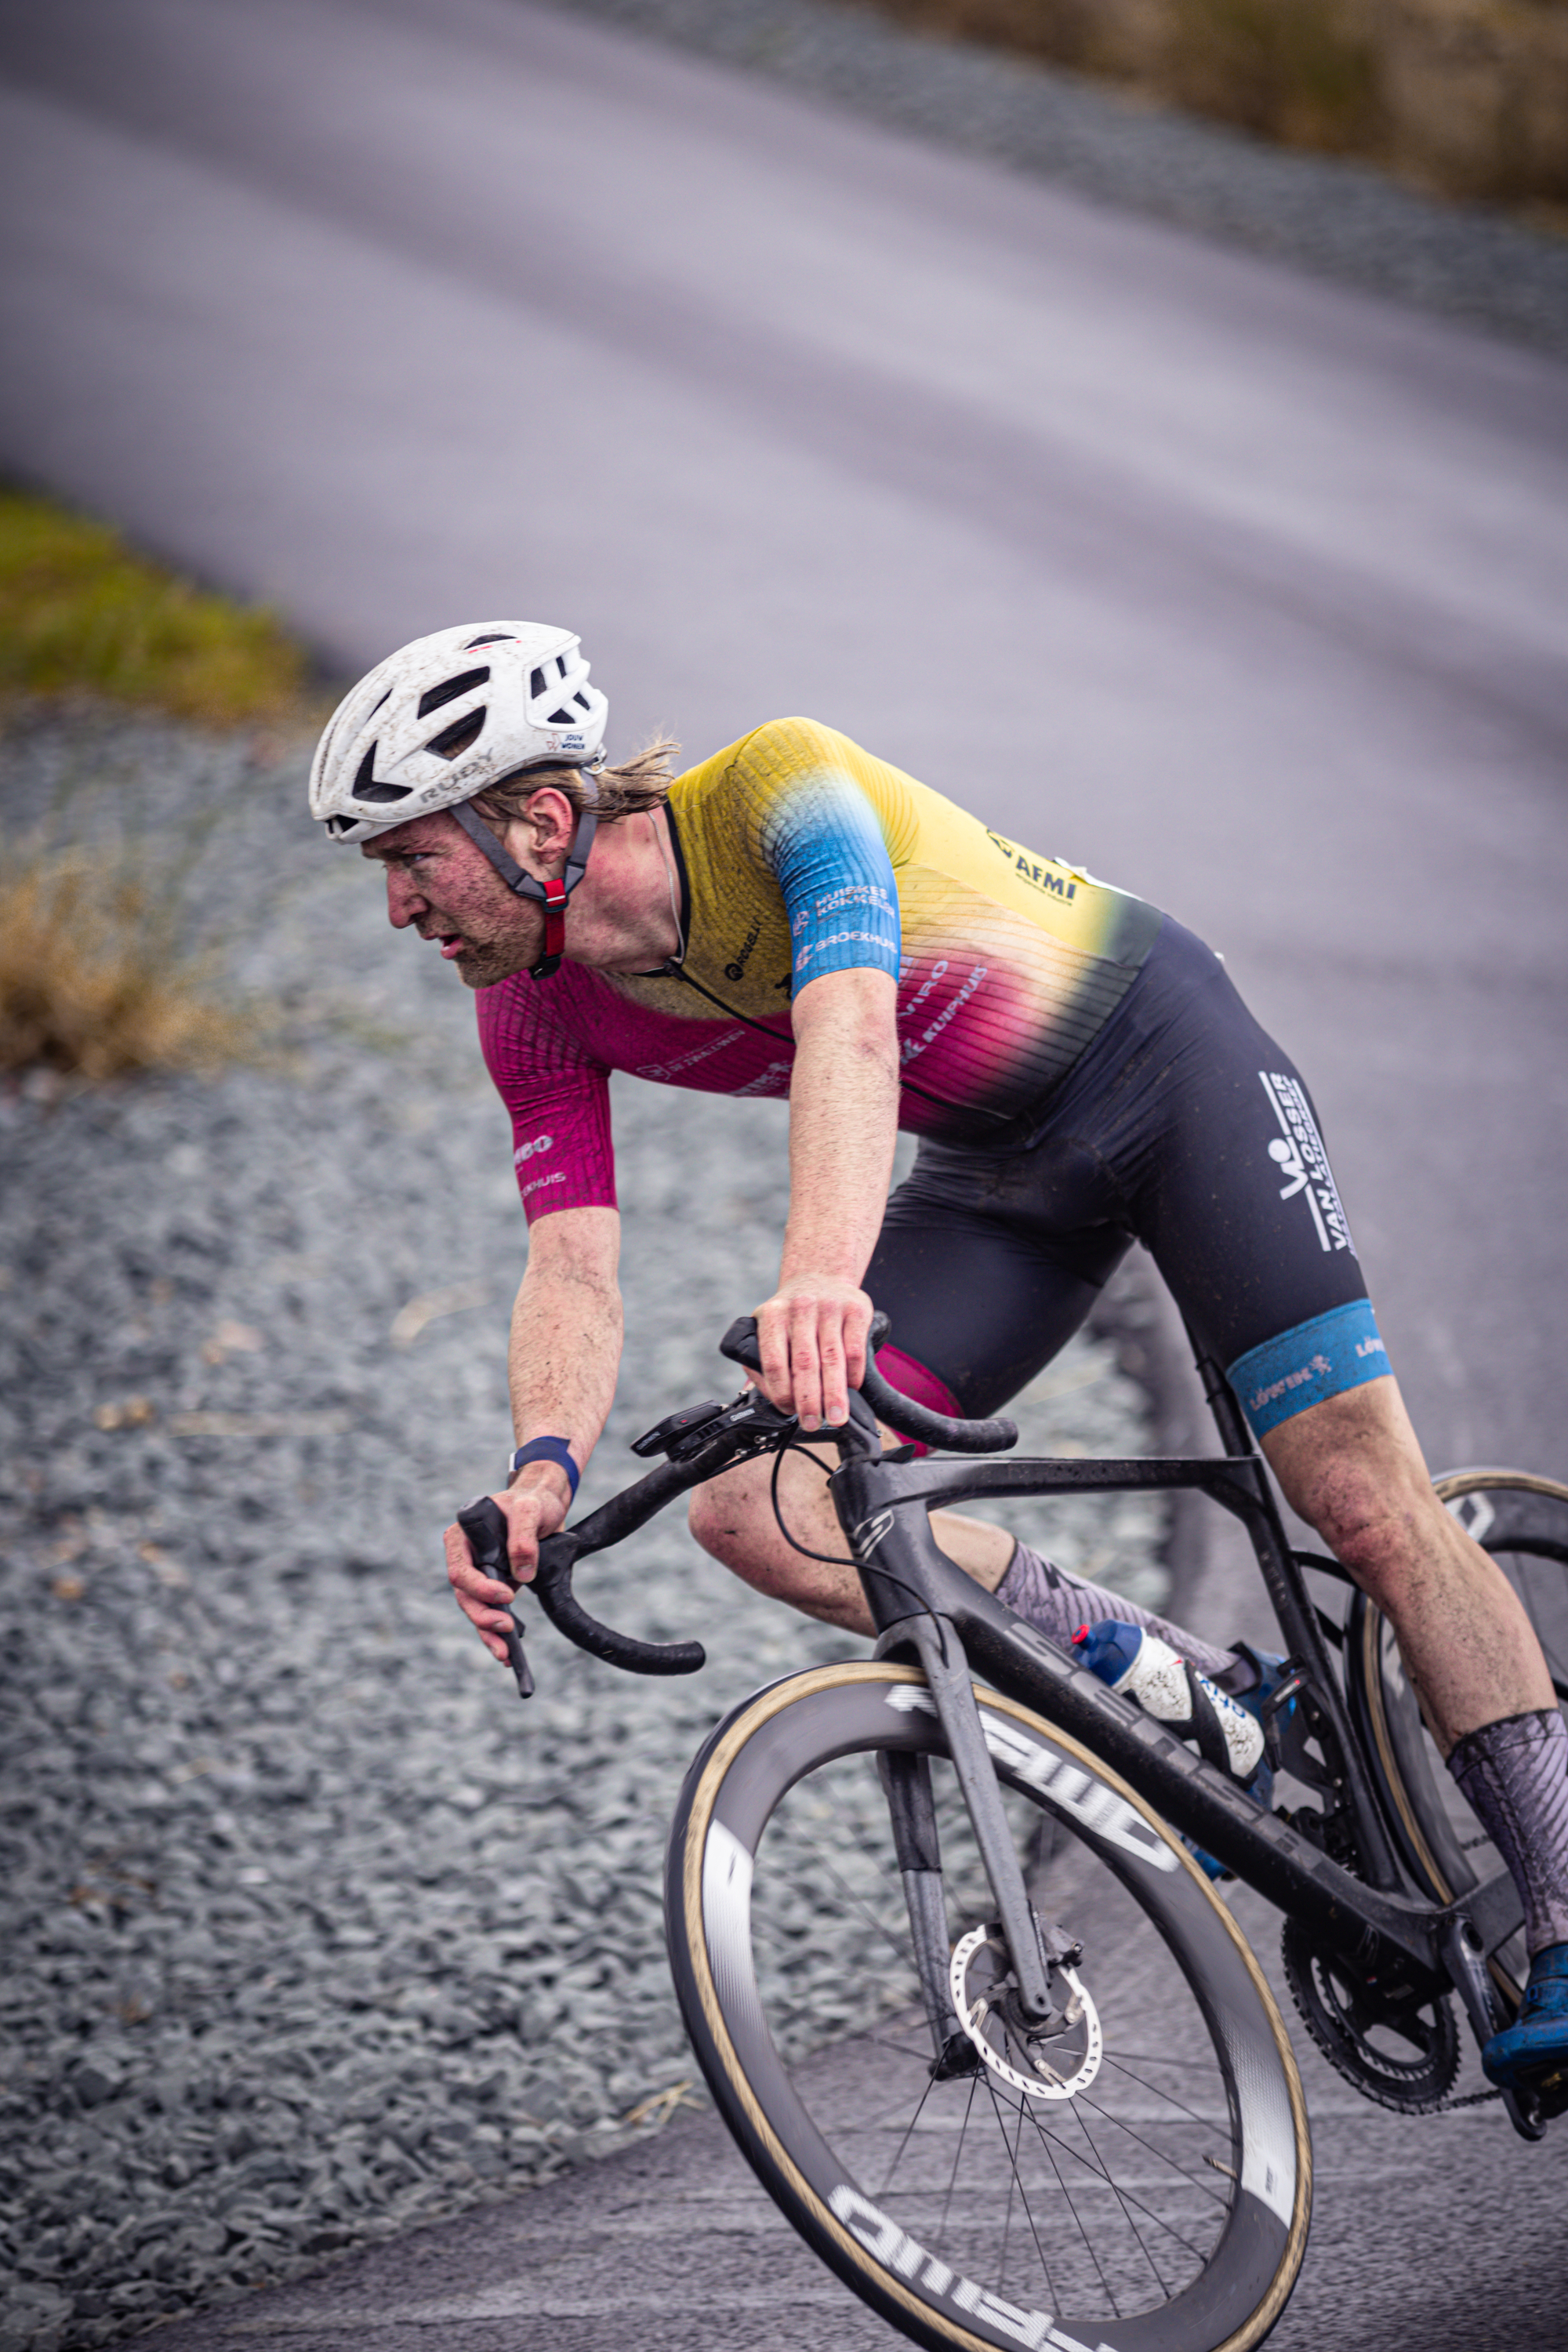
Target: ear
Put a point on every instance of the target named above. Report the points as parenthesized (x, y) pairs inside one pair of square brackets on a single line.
[(548, 821)]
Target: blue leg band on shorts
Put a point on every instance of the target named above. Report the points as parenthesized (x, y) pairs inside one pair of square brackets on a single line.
[(1301, 1366)]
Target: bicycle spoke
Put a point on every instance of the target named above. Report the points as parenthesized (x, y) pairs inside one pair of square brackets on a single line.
[(1087, 2237), (1091, 2205)]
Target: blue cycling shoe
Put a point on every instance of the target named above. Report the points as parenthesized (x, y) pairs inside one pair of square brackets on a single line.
[(1532, 2052)]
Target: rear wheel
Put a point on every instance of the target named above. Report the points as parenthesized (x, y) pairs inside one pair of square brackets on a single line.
[(1522, 1520), (1140, 2181)]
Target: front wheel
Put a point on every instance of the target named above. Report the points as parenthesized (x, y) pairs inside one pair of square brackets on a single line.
[(1149, 2192)]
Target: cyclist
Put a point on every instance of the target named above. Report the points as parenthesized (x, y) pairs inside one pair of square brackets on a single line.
[(796, 917)]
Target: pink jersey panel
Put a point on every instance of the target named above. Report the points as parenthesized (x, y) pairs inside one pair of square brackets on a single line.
[(550, 1045)]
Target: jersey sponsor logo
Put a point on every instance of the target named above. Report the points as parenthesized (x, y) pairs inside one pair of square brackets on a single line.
[(667, 1070), (887, 2243), (531, 1150), (774, 1080), (913, 1047), (852, 894), (556, 1176), (839, 939), (1298, 1152), (1066, 1784), (1046, 874), (737, 969)]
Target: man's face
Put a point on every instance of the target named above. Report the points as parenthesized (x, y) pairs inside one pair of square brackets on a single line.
[(448, 891)]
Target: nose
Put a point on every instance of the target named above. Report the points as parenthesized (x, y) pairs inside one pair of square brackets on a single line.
[(405, 902)]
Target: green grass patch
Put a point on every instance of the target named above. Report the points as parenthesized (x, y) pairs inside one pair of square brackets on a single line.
[(81, 612)]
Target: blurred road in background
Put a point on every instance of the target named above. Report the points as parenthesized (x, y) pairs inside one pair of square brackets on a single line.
[(1244, 591)]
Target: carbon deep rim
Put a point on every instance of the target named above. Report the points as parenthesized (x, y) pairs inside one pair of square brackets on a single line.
[(1240, 2185)]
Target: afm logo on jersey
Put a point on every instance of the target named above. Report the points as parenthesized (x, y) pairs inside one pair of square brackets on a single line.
[(1046, 874)]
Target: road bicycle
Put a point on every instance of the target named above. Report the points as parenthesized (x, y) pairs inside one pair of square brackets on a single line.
[(1028, 2085)]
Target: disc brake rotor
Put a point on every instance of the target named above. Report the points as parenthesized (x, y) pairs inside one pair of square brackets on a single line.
[(1054, 2061), (1403, 2054)]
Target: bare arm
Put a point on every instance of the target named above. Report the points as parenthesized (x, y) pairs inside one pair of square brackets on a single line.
[(563, 1357), (843, 1123)]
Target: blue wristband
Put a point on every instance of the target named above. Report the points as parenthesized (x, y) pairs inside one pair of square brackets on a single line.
[(546, 1449)]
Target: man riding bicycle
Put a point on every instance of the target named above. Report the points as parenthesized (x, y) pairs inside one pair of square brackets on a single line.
[(794, 917)]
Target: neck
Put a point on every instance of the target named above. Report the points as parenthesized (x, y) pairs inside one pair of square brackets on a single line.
[(624, 912)]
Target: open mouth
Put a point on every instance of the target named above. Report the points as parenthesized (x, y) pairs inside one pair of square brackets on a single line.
[(451, 943)]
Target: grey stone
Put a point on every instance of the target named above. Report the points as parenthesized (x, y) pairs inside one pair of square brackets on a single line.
[(313, 1932)]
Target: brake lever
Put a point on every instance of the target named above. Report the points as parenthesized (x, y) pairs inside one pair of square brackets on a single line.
[(484, 1523)]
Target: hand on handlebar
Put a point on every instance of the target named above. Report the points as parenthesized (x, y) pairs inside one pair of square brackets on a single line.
[(532, 1509), (812, 1334)]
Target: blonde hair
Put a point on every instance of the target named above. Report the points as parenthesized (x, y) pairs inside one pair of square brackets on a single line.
[(628, 789)]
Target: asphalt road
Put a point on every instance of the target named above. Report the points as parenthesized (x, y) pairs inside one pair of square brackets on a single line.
[(1247, 592)]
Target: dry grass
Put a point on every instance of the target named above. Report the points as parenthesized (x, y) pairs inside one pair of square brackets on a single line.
[(93, 981), (80, 613), (96, 979)]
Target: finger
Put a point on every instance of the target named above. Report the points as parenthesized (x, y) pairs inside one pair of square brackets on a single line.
[(857, 1337), (774, 1347), (465, 1576), (831, 1352), (805, 1366)]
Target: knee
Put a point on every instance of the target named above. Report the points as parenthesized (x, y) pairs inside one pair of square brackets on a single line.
[(1369, 1515), (723, 1523)]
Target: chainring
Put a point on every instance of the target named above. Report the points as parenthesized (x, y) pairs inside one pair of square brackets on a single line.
[(1412, 2063)]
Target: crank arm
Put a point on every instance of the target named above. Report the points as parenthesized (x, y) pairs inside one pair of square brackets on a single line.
[(1461, 1948)]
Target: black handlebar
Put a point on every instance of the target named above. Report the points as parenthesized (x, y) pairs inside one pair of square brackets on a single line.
[(889, 1404), (744, 1429), (483, 1523)]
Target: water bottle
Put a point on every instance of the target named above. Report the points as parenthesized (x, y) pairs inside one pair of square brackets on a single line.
[(1141, 1666)]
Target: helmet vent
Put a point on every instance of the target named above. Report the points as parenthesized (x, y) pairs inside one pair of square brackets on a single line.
[(496, 637), (561, 719), (366, 788), (448, 690), (461, 732), (536, 682)]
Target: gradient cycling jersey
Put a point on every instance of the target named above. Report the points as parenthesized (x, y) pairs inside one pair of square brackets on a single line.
[(798, 855)]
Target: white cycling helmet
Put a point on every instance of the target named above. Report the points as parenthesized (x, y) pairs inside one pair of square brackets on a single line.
[(440, 719)]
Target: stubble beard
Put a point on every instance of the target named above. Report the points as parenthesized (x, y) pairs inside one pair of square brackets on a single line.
[(481, 966)]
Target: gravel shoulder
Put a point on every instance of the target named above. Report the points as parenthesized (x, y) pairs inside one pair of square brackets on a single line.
[(1337, 220), (313, 1933)]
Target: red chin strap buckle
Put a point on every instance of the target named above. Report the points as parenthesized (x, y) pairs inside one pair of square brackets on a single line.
[(555, 897)]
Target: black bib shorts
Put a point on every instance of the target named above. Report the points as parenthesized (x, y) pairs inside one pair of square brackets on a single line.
[(1182, 1126)]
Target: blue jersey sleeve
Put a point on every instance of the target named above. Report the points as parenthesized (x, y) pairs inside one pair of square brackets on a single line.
[(831, 863)]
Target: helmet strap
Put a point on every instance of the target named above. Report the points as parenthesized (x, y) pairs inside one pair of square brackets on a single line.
[(553, 893)]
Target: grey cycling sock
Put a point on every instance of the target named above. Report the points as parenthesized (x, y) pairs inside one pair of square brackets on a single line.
[(1058, 1604), (1514, 1778)]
